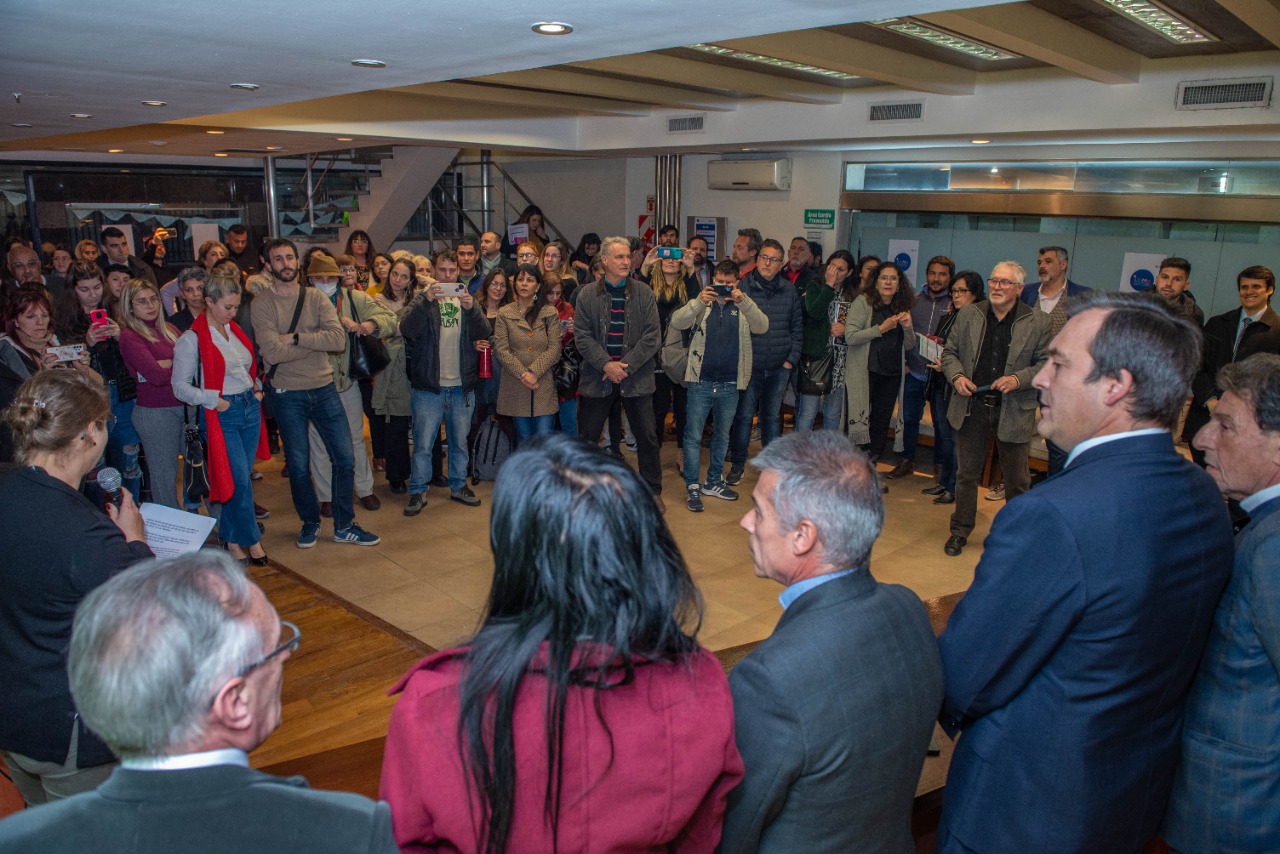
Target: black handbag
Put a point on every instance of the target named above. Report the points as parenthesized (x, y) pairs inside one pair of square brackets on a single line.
[(368, 353), (195, 472), (568, 370), (815, 373)]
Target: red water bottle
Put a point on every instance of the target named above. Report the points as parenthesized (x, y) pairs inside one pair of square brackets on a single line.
[(486, 363)]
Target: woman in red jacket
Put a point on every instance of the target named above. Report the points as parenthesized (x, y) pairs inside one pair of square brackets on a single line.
[(583, 716)]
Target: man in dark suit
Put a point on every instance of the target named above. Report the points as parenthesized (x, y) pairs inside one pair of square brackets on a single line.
[(1069, 660), (835, 709), (1226, 796), (177, 665), (1229, 337)]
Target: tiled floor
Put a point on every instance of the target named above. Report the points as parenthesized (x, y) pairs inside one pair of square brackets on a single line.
[(430, 575)]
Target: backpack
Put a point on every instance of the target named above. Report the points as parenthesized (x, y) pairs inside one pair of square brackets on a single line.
[(489, 452)]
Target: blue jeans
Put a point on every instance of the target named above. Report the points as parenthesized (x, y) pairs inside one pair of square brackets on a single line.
[(912, 413), (323, 408), (123, 443), (944, 440), (569, 417), (766, 390), (537, 425), (830, 404), (241, 425), (428, 411), (702, 399)]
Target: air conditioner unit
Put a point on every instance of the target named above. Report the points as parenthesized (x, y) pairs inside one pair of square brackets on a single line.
[(749, 174)]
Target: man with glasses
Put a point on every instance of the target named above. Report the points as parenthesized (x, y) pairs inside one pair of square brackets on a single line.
[(994, 350), (774, 354), (177, 664)]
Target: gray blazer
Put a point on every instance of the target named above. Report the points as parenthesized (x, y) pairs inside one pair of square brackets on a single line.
[(223, 808), (640, 339), (1028, 351), (834, 712)]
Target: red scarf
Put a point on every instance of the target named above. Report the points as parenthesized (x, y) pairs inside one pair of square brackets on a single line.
[(221, 486)]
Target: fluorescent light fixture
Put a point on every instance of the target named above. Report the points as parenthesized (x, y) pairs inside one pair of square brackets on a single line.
[(772, 61), (155, 103), (1158, 18), (275, 148), (115, 151), (248, 87), (368, 63), (552, 28), (219, 154), (81, 116), (979, 141), (943, 38), (159, 142), (216, 132), (22, 124), (344, 138)]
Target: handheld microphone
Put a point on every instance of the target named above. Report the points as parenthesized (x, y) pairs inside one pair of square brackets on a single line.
[(109, 481)]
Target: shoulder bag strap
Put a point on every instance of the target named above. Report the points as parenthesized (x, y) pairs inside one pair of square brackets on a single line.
[(293, 325)]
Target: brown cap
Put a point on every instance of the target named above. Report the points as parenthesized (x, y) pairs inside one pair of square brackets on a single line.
[(322, 265)]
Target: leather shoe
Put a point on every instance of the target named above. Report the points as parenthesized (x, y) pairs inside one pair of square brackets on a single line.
[(955, 545), (902, 469), (935, 489), (399, 487), (260, 561), (370, 502), (945, 498), (326, 509), (440, 481)]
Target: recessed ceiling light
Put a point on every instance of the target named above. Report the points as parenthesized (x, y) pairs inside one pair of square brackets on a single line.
[(746, 149), (995, 170), (345, 138), (155, 103), (21, 124), (159, 142), (368, 63), (275, 148), (115, 151), (216, 132), (81, 116), (219, 154), (552, 28), (979, 141), (1158, 18), (945, 169), (943, 38), (775, 62), (248, 87)]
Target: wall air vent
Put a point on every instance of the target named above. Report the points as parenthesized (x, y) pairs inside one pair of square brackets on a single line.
[(1224, 94), (903, 111), (686, 124)]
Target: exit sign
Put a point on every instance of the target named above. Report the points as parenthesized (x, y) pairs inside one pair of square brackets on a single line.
[(815, 218)]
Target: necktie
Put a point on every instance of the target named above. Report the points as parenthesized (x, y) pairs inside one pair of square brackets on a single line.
[(1244, 327)]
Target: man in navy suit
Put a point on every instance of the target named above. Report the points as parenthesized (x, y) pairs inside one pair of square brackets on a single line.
[(1069, 660), (177, 665), (1226, 796)]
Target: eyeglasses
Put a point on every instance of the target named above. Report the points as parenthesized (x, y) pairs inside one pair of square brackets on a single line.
[(290, 645), (145, 301), (1002, 283), (955, 291), (772, 259)]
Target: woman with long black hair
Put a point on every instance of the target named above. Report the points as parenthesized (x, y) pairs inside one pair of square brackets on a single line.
[(582, 715), (825, 310)]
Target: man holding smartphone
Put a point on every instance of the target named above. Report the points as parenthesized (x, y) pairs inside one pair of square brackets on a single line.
[(723, 320)]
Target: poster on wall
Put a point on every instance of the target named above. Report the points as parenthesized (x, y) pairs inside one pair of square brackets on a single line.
[(200, 232), (906, 254), (1139, 271), (705, 227)]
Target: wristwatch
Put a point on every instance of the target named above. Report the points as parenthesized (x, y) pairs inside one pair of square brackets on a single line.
[(295, 339)]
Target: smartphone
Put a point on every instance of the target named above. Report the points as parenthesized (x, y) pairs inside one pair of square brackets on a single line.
[(67, 352), (99, 317), (670, 252), (452, 289), (723, 290)]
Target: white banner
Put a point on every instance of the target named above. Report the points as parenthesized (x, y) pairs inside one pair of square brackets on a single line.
[(906, 254), (1139, 271)]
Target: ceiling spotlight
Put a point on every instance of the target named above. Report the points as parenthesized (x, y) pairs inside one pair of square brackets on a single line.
[(219, 154), (368, 63), (21, 124), (979, 141), (248, 87), (345, 138), (155, 103), (275, 148), (81, 116), (115, 151), (552, 28), (995, 170), (217, 132)]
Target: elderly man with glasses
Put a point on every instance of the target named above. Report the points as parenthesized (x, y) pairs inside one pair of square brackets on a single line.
[(995, 349), (177, 664)]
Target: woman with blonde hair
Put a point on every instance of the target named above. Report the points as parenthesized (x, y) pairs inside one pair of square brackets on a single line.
[(87, 250), (210, 253), (672, 292), (146, 343)]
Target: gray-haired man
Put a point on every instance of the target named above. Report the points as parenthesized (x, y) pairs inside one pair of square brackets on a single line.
[(177, 665)]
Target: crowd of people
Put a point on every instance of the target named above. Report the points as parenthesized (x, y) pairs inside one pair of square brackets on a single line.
[(1141, 649)]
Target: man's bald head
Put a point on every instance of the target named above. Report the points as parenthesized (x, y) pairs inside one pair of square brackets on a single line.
[(24, 264)]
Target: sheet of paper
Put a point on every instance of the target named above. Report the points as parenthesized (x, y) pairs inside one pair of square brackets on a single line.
[(929, 350), (517, 234), (174, 532)]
